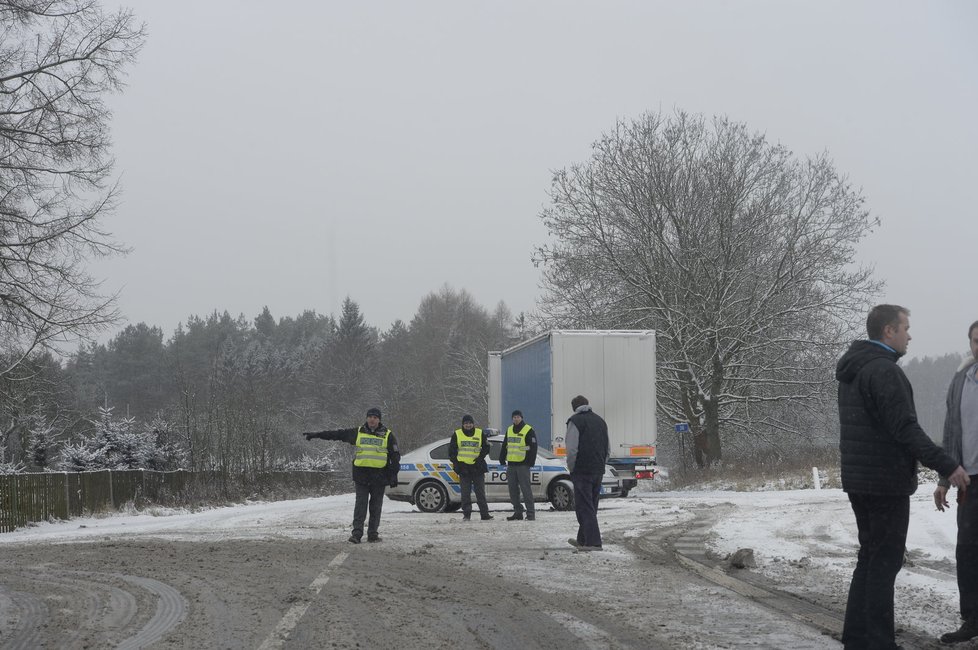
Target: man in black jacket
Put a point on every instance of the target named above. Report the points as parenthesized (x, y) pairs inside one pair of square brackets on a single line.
[(519, 454), (468, 450), (881, 443), (375, 466), (961, 444), (587, 452)]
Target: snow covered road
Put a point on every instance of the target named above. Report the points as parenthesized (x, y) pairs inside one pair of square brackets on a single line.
[(282, 575)]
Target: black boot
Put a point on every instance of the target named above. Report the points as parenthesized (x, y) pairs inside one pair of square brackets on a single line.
[(968, 630), (514, 517)]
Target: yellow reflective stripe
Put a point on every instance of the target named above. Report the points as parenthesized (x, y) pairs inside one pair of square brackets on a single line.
[(516, 446), (469, 448), (371, 449)]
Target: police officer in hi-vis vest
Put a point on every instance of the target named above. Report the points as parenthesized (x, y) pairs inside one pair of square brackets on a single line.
[(519, 453), (375, 467), (468, 450)]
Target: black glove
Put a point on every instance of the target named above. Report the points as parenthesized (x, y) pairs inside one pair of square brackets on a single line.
[(310, 435), (502, 461), (393, 482)]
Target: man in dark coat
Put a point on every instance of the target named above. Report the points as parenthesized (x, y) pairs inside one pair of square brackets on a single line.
[(961, 444), (881, 443), (375, 466), (519, 454), (588, 450), (467, 450)]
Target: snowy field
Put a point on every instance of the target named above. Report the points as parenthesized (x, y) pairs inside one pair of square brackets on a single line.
[(804, 540)]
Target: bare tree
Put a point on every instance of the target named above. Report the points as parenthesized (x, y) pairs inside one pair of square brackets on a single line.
[(58, 59), (737, 253)]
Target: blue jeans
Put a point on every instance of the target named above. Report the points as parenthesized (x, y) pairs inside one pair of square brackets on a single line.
[(587, 487), (966, 554)]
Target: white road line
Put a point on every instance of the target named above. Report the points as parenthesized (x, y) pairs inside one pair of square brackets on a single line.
[(280, 634), (593, 637)]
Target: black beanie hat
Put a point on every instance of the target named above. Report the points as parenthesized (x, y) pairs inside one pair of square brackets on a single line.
[(467, 418), (373, 411), (517, 412)]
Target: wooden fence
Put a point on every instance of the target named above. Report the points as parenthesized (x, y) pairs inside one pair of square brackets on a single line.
[(26, 498)]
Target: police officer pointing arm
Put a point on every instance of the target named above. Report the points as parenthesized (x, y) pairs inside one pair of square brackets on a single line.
[(375, 466)]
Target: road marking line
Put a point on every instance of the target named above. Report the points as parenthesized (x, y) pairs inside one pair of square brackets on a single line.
[(592, 636), (280, 634)]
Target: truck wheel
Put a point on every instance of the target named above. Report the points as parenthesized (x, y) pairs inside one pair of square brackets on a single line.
[(431, 496), (562, 495)]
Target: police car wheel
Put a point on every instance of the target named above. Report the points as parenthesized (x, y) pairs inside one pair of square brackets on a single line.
[(431, 497), (562, 495)]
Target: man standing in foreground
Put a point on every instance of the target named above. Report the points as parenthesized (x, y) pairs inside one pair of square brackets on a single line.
[(881, 443), (961, 444), (587, 452), (519, 454), (375, 466)]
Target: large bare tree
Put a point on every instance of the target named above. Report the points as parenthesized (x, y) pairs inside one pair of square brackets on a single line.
[(58, 60), (738, 253)]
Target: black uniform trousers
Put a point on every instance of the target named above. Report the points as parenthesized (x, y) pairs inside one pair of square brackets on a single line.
[(369, 497), (882, 522), (966, 552), (467, 482)]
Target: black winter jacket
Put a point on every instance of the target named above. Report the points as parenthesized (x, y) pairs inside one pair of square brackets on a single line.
[(369, 475), (880, 439)]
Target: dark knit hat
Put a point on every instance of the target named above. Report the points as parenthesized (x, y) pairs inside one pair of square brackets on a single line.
[(373, 411), (517, 412), (467, 418)]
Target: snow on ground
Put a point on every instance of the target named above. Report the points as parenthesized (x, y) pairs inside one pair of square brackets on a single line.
[(805, 540)]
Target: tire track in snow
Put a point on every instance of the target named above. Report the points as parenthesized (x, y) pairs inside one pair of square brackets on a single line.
[(171, 608)]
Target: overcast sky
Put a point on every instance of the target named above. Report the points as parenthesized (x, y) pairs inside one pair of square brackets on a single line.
[(290, 154)]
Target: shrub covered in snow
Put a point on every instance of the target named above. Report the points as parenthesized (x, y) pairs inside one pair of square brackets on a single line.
[(121, 444)]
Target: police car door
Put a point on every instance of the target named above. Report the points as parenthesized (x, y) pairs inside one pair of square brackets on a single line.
[(496, 487)]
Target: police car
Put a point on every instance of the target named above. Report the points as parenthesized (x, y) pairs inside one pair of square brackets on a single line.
[(427, 481)]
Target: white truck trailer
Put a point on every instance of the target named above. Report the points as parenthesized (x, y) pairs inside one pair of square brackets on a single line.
[(614, 369)]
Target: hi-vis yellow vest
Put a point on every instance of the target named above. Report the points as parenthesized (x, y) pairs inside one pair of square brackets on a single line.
[(516, 446), (371, 449), (469, 447)]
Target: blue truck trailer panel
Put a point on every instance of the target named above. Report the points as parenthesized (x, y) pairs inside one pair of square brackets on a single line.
[(526, 381)]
